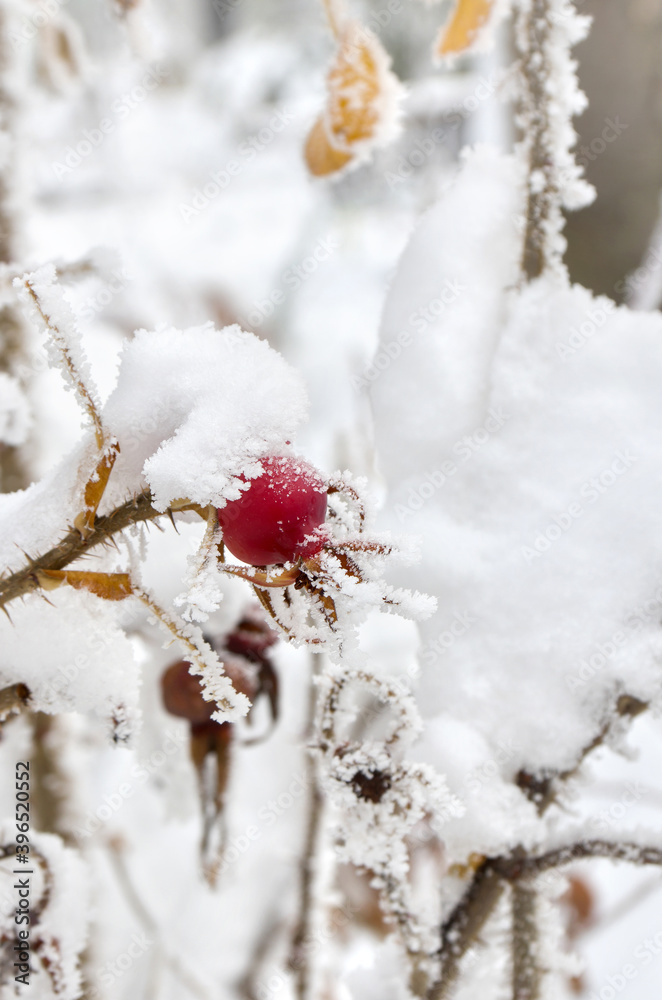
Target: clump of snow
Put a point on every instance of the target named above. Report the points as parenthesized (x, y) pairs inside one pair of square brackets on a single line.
[(66, 668), (194, 409), (519, 437)]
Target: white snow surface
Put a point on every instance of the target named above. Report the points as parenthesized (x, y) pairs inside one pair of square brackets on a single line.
[(520, 436)]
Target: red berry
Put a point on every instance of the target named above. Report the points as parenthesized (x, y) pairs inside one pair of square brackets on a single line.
[(271, 521)]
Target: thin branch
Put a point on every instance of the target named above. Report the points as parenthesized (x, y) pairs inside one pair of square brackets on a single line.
[(84, 394), (24, 581), (533, 34), (527, 974), (462, 928), (517, 866), (541, 788), (299, 958)]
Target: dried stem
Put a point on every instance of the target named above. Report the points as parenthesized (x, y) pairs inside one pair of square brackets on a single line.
[(84, 394), (527, 974), (462, 928), (299, 956), (534, 29), (541, 789)]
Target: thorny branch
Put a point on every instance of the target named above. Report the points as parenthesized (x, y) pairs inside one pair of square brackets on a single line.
[(25, 581)]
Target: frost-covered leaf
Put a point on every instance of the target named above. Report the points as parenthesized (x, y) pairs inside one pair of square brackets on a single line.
[(362, 104)]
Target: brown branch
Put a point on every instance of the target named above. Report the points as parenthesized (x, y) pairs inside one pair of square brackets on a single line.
[(540, 788), (462, 928), (13, 699), (24, 581), (517, 866), (299, 953), (527, 974), (534, 28)]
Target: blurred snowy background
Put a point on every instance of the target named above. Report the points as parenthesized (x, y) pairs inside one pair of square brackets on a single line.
[(159, 145)]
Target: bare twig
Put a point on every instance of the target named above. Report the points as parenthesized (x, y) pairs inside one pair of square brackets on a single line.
[(462, 928), (527, 974), (533, 33), (84, 392), (541, 789), (299, 953)]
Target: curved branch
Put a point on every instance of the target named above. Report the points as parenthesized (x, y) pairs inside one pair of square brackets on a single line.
[(72, 546)]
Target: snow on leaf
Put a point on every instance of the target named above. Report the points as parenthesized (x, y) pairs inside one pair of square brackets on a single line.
[(362, 104)]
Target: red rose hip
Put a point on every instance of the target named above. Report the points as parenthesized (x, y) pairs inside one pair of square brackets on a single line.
[(271, 521)]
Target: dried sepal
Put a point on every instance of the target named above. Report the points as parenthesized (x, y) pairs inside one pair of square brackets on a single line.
[(463, 27), (362, 104), (95, 488), (109, 586)]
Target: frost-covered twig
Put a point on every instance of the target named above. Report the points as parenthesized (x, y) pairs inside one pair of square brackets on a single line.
[(516, 866), (56, 317), (527, 974), (24, 581), (542, 789), (545, 30), (462, 928), (299, 958)]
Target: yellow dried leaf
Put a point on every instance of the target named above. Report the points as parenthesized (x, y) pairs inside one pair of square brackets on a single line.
[(95, 488), (323, 158), (361, 103), (461, 29), (110, 586)]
